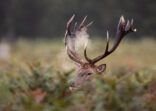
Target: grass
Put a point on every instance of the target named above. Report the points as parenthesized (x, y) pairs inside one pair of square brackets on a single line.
[(36, 75)]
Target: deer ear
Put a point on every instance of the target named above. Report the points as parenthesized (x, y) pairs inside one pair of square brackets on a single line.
[(101, 68)]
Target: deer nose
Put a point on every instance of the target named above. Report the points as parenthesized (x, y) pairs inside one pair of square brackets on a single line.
[(72, 86)]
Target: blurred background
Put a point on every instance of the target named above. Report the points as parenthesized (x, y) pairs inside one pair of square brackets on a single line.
[(47, 18), (35, 71)]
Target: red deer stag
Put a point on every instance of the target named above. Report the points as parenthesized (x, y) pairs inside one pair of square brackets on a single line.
[(87, 67)]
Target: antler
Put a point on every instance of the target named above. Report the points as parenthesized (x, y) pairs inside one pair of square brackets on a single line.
[(70, 37), (88, 66), (123, 29)]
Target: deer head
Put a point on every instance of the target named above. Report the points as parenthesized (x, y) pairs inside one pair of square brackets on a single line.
[(87, 66)]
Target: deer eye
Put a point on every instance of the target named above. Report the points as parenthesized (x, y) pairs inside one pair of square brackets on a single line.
[(89, 74)]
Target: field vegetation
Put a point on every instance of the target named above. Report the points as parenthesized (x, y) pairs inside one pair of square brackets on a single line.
[(36, 76)]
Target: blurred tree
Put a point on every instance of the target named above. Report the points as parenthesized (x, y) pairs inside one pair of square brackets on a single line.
[(38, 18)]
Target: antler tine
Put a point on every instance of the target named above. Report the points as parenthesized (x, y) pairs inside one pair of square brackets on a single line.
[(90, 23), (85, 55), (68, 29), (72, 54), (133, 29), (107, 44), (75, 26), (70, 20), (128, 26), (122, 29), (82, 23)]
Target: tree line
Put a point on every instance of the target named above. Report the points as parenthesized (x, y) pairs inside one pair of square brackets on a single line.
[(47, 18)]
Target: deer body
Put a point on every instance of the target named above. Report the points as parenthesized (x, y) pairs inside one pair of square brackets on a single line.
[(88, 66)]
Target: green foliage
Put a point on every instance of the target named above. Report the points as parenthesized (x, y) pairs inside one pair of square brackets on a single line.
[(103, 92)]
